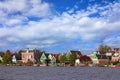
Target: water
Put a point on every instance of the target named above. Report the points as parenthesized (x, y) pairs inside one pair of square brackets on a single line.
[(58, 73)]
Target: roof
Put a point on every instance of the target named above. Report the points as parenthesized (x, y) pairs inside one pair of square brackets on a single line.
[(78, 53), (56, 56)]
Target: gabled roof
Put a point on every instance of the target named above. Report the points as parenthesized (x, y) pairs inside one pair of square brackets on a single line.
[(85, 58), (76, 52)]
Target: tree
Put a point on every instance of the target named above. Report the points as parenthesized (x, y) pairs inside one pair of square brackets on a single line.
[(104, 48), (1, 54), (72, 59), (62, 58), (7, 57)]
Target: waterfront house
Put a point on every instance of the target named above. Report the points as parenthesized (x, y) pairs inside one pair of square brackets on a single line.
[(77, 55), (94, 58), (14, 60), (116, 54), (103, 59), (57, 58), (30, 54), (43, 58), (52, 60), (115, 57), (1, 60)]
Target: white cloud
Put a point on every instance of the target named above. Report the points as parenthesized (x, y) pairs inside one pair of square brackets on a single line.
[(63, 28), (38, 9)]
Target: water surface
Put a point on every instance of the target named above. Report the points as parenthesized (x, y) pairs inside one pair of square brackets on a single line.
[(58, 73)]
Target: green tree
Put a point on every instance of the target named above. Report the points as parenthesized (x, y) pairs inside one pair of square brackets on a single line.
[(7, 57), (72, 59), (62, 58), (104, 48)]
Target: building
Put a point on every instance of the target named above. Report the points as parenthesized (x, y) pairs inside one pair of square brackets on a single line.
[(30, 54), (94, 58), (116, 54)]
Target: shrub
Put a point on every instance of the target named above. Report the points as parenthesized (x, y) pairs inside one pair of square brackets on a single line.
[(29, 63), (19, 63)]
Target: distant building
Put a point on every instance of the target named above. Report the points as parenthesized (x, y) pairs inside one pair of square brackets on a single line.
[(30, 54), (14, 60), (116, 54), (94, 58), (1, 59), (43, 58)]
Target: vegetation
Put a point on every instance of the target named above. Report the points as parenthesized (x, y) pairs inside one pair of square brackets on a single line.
[(7, 57), (62, 58), (29, 63), (104, 48), (19, 63), (72, 59)]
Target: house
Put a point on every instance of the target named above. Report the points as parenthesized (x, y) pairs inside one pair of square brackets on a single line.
[(116, 54), (77, 55), (57, 58), (94, 58), (109, 55), (52, 60), (77, 62), (30, 54), (1, 60), (43, 58), (14, 60), (115, 57), (103, 59)]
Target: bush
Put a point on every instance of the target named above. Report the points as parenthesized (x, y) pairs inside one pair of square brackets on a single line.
[(19, 63), (29, 63), (115, 62)]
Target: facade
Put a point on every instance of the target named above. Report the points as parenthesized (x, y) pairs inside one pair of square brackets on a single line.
[(1, 60), (116, 54), (30, 54), (43, 58), (14, 60), (94, 58), (52, 60), (76, 53), (78, 57), (115, 57)]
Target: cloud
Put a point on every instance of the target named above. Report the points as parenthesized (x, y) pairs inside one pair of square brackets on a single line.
[(73, 30), (113, 41)]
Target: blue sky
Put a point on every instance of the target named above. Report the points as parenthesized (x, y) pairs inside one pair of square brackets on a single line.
[(59, 25)]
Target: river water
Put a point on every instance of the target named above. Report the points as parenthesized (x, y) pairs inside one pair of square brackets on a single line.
[(58, 73)]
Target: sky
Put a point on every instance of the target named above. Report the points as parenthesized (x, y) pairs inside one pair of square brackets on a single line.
[(59, 25)]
